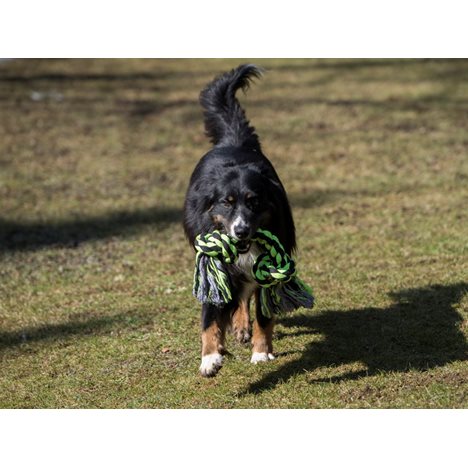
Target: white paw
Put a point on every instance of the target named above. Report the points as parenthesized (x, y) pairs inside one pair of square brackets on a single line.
[(261, 357), (210, 364)]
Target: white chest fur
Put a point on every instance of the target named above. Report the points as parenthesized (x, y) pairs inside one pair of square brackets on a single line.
[(246, 260), (245, 263)]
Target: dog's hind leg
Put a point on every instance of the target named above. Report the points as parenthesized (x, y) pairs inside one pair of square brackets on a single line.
[(262, 340), (214, 323), (241, 322)]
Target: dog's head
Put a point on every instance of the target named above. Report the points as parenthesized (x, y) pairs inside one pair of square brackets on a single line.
[(241, 205)]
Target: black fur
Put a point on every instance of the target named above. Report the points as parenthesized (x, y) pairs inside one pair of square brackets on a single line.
[(234, 187), (225, 121)]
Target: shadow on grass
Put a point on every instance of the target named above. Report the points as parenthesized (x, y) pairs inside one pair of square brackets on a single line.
[(26, 236), (92, 326), (444, 99), (73, 76), (343, 65), (70, 233), (145, 107), (318, 197), (347, 64), (419, 331)]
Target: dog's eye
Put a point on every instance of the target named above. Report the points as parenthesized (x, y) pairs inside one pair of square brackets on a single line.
[(228, 202)]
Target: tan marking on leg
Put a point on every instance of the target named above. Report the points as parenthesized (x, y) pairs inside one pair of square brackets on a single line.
[(213, 339), (241, 322), (213, 349), (262, 340)]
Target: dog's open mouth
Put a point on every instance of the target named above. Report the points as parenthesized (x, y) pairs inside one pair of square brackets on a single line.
[(243, 246)]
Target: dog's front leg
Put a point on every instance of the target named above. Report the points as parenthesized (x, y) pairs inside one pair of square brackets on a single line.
[(241, 322), (262, 340), (214, 321)]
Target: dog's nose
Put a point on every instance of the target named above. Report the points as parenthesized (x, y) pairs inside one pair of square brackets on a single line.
[(242, 231)]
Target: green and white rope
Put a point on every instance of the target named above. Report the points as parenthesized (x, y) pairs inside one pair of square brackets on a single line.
[(274, 270), (274, 265), (211, 281)]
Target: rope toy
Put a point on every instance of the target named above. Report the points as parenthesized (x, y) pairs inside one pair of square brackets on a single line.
[(274, 270)]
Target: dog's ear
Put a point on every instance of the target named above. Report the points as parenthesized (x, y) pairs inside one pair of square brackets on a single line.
[(282, 222), (197, 217)]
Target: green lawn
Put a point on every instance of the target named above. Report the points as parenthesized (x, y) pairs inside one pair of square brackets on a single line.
[(96, 308)]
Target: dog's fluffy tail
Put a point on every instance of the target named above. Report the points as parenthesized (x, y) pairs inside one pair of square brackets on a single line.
[(225, 120)]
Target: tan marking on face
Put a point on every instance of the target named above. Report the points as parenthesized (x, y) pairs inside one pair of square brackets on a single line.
[(219, 219)]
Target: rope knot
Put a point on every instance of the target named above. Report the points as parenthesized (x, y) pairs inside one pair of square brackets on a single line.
[(216, 244), (275, 265), (274, 270)]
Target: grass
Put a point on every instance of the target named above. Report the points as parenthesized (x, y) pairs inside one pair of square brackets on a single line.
[(95, 274)]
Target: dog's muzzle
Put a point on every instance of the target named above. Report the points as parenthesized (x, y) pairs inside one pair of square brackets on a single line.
[(243, 246)]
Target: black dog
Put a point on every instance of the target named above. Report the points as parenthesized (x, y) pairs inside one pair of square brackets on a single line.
[(235, 189)]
